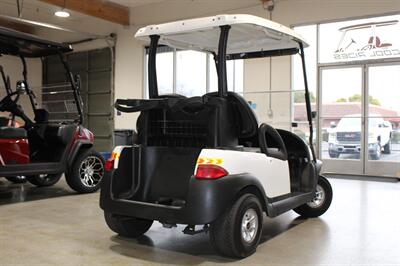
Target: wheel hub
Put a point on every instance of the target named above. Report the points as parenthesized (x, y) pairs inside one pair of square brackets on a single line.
[(91, 171), (318, 199), (249, 226)]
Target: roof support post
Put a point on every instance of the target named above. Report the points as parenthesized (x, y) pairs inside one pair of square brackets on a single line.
[(151, 72), (75, 87), (30, 93), (221, 64), (308, 101)]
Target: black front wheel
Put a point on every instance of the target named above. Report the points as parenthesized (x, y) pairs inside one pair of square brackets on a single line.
[(86, 172), (321, 202), (333, 154), (387, 149), (44, 180), (127, 226), (20, 179), (237, 232)]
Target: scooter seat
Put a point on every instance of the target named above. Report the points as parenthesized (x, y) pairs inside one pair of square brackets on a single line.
[(12, 133)]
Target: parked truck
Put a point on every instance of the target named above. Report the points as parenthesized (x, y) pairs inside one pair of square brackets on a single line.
[(345, 138)]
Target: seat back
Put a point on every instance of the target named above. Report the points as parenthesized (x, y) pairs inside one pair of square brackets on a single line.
[(41, 116), (271, 143), (245, 118)]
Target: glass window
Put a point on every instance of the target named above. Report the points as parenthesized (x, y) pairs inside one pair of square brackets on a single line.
[(191, 73), (234, 75), (363, 39), (165, 70)]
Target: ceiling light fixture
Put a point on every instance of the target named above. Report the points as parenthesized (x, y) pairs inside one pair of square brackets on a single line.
[(62, 13)]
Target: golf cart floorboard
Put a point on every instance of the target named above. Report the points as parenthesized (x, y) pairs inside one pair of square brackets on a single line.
[(31, 169)]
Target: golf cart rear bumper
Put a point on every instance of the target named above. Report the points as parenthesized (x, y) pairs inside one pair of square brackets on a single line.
[(206, 200)]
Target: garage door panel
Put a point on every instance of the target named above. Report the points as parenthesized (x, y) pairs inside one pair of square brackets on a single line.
[(99, 59), (100, 125), (99, 103), (101, 144), (53, 71), (78, 62), (94, 69), (100, 81)]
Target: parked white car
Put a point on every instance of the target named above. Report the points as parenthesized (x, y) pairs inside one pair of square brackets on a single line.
[(345, 138)]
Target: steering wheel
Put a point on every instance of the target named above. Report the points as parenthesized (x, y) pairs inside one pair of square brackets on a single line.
[(8, 102)]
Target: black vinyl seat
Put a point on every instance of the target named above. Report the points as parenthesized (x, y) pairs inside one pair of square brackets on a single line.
[(271, 142), (12, 133), (246, 119)]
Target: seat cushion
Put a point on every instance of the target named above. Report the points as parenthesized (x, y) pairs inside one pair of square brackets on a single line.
[(12, 133)]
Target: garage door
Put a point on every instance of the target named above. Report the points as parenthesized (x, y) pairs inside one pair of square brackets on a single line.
[(94, 68)]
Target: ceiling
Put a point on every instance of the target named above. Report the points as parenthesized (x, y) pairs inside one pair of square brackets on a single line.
[(136, 3)]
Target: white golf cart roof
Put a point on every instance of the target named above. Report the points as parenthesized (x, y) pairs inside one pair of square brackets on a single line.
[(247, 34)]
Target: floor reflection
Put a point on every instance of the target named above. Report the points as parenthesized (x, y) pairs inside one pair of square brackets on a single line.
[(13, 193)]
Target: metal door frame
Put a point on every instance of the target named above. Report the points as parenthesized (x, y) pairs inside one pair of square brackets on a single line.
[(364, 156), (357, 166)]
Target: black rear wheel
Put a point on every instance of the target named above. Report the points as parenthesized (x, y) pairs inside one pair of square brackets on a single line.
[(321, 202), (86, 172), (43, 180), (20, 179), (127, 226), (237, 232)]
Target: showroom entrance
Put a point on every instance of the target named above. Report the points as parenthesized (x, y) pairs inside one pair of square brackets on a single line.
[(359, 118)]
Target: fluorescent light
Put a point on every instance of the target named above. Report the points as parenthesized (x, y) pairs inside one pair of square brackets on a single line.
[(62, 14)]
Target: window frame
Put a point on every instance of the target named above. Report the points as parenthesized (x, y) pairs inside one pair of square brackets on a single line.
[(209, 66)]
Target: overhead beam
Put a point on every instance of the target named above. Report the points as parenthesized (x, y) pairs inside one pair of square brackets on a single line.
[(96, 8)]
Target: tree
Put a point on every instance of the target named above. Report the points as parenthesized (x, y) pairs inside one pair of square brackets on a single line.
[(356, 98), (299, 97), (373, 101)]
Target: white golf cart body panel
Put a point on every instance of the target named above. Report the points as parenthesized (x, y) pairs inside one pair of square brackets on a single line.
[(247, 34), (272, 173)]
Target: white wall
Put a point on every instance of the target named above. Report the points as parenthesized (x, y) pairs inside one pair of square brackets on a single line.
[(13, 67), (128, 74)]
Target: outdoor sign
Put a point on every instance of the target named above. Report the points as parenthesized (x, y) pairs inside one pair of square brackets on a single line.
[(368, 41)]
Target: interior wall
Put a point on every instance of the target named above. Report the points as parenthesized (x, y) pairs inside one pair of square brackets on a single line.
[(128, 74), (12, 66)]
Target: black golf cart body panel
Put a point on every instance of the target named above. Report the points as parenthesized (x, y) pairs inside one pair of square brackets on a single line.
[(155, 178)]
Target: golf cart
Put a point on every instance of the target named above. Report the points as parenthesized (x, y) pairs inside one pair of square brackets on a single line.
[(43, 150), (205, 161)]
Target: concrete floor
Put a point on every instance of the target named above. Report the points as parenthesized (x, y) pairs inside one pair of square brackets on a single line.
[(361, 227)]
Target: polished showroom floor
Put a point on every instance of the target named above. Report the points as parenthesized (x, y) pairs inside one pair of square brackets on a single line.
[(54, 226)]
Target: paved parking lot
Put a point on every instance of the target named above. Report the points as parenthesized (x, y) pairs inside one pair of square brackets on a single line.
[(394, 156)]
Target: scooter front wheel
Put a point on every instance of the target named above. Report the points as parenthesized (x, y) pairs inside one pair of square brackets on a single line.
[(86, 172), (44, 180)]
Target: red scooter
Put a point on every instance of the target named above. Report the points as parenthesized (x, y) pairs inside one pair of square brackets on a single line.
[(43, 150)]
